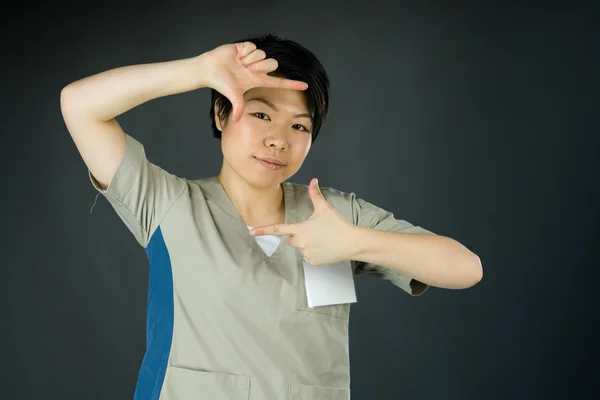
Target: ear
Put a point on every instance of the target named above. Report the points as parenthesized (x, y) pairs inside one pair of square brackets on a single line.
[(218, 119)]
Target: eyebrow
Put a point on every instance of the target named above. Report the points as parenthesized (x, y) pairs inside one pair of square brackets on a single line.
[(268, 103)]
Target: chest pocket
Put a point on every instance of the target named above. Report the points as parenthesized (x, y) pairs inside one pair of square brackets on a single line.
[(337, 311)]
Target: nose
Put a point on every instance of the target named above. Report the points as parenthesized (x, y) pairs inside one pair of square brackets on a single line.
[(277, 144), (276, 140)]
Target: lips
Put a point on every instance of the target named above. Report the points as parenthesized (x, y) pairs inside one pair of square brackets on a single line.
[(270, 163), (271, 160)]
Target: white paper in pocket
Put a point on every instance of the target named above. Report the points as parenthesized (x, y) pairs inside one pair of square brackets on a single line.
[(329, 284)]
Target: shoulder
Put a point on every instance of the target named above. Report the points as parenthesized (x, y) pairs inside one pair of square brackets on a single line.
[(210, 187)]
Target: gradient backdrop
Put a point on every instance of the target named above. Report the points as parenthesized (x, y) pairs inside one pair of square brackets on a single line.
[(475, 122)]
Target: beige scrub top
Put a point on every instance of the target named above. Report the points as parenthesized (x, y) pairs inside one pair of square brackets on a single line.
[(225, 321)]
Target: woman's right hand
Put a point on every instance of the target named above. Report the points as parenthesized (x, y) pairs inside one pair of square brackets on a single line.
[(233, 69)]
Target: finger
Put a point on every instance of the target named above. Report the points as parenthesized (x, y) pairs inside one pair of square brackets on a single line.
[(264, 66), (254, 56), (294, 241), (245, 48), (307, 260), (276, 229), (283, 83)]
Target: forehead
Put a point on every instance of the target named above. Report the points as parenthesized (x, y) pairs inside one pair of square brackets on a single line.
[(293, 101)]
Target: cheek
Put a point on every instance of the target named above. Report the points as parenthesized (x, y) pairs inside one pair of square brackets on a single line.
[(229, 144), (301, 147), (236, 134), (245, 131), (238, 141)]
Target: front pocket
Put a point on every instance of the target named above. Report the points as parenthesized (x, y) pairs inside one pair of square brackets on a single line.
[(338, 310), (184, 383), (304, 392)]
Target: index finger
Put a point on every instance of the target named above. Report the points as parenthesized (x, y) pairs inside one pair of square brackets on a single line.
[(283, 83), (276, 229)]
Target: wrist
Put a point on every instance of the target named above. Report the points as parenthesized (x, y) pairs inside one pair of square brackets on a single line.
[(357, 242), (200, 70)]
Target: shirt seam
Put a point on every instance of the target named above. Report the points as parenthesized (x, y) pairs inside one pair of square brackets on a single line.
[(170, 207)]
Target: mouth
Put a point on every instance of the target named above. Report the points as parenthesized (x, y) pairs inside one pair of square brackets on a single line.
[(270, 163)]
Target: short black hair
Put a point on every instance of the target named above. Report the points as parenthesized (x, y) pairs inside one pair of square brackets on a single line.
[(294, 62)]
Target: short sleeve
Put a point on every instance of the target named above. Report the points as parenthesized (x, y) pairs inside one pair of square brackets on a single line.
[(370, 216), (140, 192)]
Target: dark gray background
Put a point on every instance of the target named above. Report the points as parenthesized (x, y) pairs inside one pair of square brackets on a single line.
[(477, 123)]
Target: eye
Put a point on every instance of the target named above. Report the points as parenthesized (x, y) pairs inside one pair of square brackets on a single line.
[(265, 117), (302, 128), (261, 115)]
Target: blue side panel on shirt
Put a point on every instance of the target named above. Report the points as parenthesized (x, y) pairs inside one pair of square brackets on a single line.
[(159, 322)]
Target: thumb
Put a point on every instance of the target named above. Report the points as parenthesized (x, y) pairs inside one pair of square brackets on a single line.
[(238, 108), (315, 194)]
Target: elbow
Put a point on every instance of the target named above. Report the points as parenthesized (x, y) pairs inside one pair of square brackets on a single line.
[(68, 97), (475, 270), (73, 97), (467, 268)]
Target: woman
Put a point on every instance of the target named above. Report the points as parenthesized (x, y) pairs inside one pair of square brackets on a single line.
[(228, 311)]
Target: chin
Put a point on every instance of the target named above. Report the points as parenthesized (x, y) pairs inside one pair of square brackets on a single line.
[(262, 179)]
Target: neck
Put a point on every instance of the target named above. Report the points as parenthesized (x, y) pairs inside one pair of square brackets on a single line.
[(256, 205)]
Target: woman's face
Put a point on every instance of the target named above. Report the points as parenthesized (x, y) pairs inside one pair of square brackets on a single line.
[(271, 140)]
